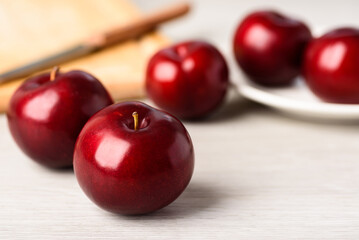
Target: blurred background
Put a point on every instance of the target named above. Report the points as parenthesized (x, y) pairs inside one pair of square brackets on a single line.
[(217, 20)]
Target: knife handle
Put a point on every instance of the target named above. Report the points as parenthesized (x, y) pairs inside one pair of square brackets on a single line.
[(137, 27)]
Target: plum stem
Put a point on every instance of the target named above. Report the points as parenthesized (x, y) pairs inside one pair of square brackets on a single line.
[(135, 118), (54, 72)]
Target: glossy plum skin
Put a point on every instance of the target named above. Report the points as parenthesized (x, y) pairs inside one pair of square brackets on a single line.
[(269, 46), (331, 66), (45, 117), (129, 171), (189, 79)]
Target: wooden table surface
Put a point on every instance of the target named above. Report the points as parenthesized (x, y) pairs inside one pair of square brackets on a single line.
[(258, 174)]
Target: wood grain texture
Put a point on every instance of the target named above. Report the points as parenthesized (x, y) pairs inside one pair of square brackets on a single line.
[(258, 174), (30, 30)]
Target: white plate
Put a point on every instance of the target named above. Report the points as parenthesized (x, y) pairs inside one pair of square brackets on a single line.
[(296, 99)]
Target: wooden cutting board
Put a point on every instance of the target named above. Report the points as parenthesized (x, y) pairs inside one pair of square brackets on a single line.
[(30, 30)]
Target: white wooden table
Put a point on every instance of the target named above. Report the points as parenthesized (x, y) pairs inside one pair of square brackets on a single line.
[(258, 174)]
